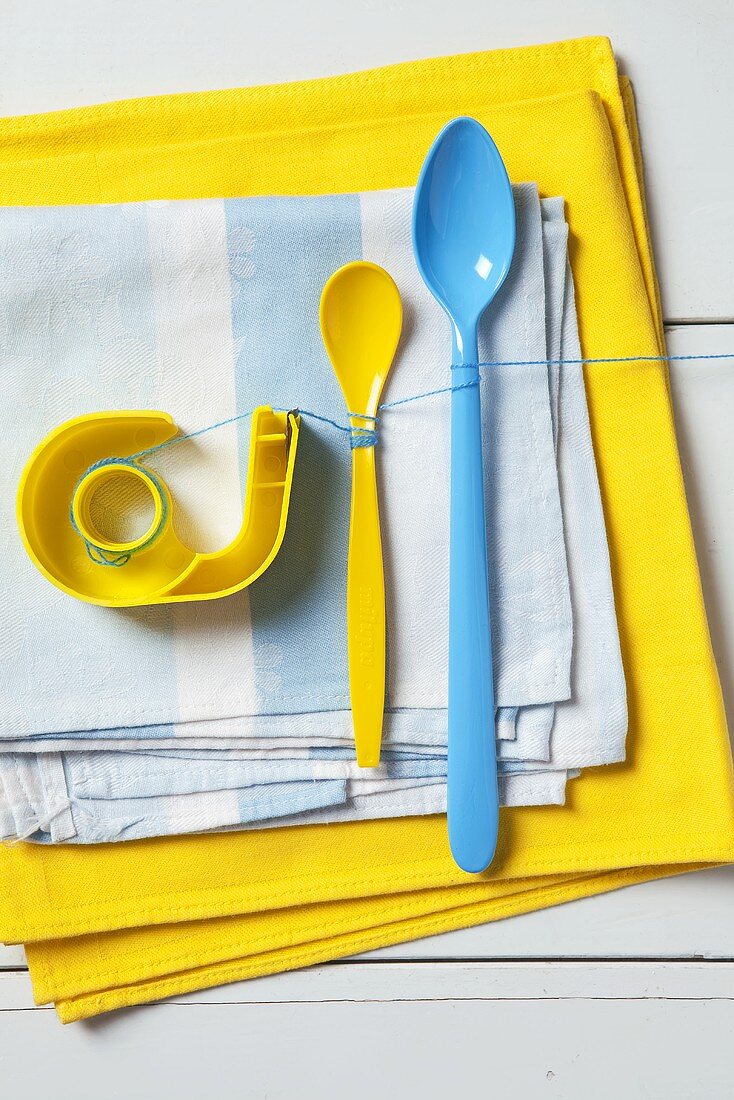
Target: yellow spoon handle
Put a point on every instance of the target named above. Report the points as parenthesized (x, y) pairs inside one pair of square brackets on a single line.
[(366, 610)]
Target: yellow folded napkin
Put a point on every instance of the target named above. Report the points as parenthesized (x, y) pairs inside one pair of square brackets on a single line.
[(120, 924)]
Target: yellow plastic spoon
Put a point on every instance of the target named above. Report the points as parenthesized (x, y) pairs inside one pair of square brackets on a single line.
[(361, 317)]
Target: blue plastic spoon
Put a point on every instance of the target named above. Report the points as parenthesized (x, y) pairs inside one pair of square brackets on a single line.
[(463, 239)]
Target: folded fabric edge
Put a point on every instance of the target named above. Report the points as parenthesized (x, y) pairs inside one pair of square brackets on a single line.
[(308, 954), (69, 921), (160, 110)]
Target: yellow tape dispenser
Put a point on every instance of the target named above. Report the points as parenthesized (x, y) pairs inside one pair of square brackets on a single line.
[(71, 466)]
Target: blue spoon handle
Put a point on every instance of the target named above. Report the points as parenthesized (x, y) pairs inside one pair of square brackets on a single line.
[(473, 805)]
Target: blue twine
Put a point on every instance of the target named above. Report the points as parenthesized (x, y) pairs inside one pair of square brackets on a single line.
[(364, 435), (603, 359), (98, 554), (368, 433), (189, 435), (359, 436)]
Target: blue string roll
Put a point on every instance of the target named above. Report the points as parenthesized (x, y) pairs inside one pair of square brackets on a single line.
[(98, 554)]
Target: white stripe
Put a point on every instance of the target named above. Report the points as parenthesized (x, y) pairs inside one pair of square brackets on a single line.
[(196, 384), (413, 452)]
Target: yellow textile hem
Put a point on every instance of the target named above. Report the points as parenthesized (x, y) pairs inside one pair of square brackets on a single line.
[(327, 947), (273, 894), (122, 923), (93, 963)]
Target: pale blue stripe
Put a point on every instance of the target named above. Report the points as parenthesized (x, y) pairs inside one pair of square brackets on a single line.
[(121, 733), (100, 821), (78, 307), (282, 251)]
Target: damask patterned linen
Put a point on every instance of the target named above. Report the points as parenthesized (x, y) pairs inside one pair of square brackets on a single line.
[(205, 309)]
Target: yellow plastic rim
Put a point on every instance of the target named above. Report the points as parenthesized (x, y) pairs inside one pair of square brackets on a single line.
[(56, 517)]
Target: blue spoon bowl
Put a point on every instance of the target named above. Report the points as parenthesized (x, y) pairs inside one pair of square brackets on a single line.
[(463, 240)]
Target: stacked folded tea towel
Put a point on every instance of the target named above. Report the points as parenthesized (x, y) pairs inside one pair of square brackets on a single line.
[(123, 723)]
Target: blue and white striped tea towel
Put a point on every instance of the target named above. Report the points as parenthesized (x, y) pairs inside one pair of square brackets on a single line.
[(189, 307), (168, 305), (92, 797)]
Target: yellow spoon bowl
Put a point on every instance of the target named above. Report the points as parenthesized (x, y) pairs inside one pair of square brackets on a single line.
[(361, 317)]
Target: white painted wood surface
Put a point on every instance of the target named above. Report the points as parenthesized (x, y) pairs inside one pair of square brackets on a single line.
[(443, 1014), (59, 53), (406, 1030)]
